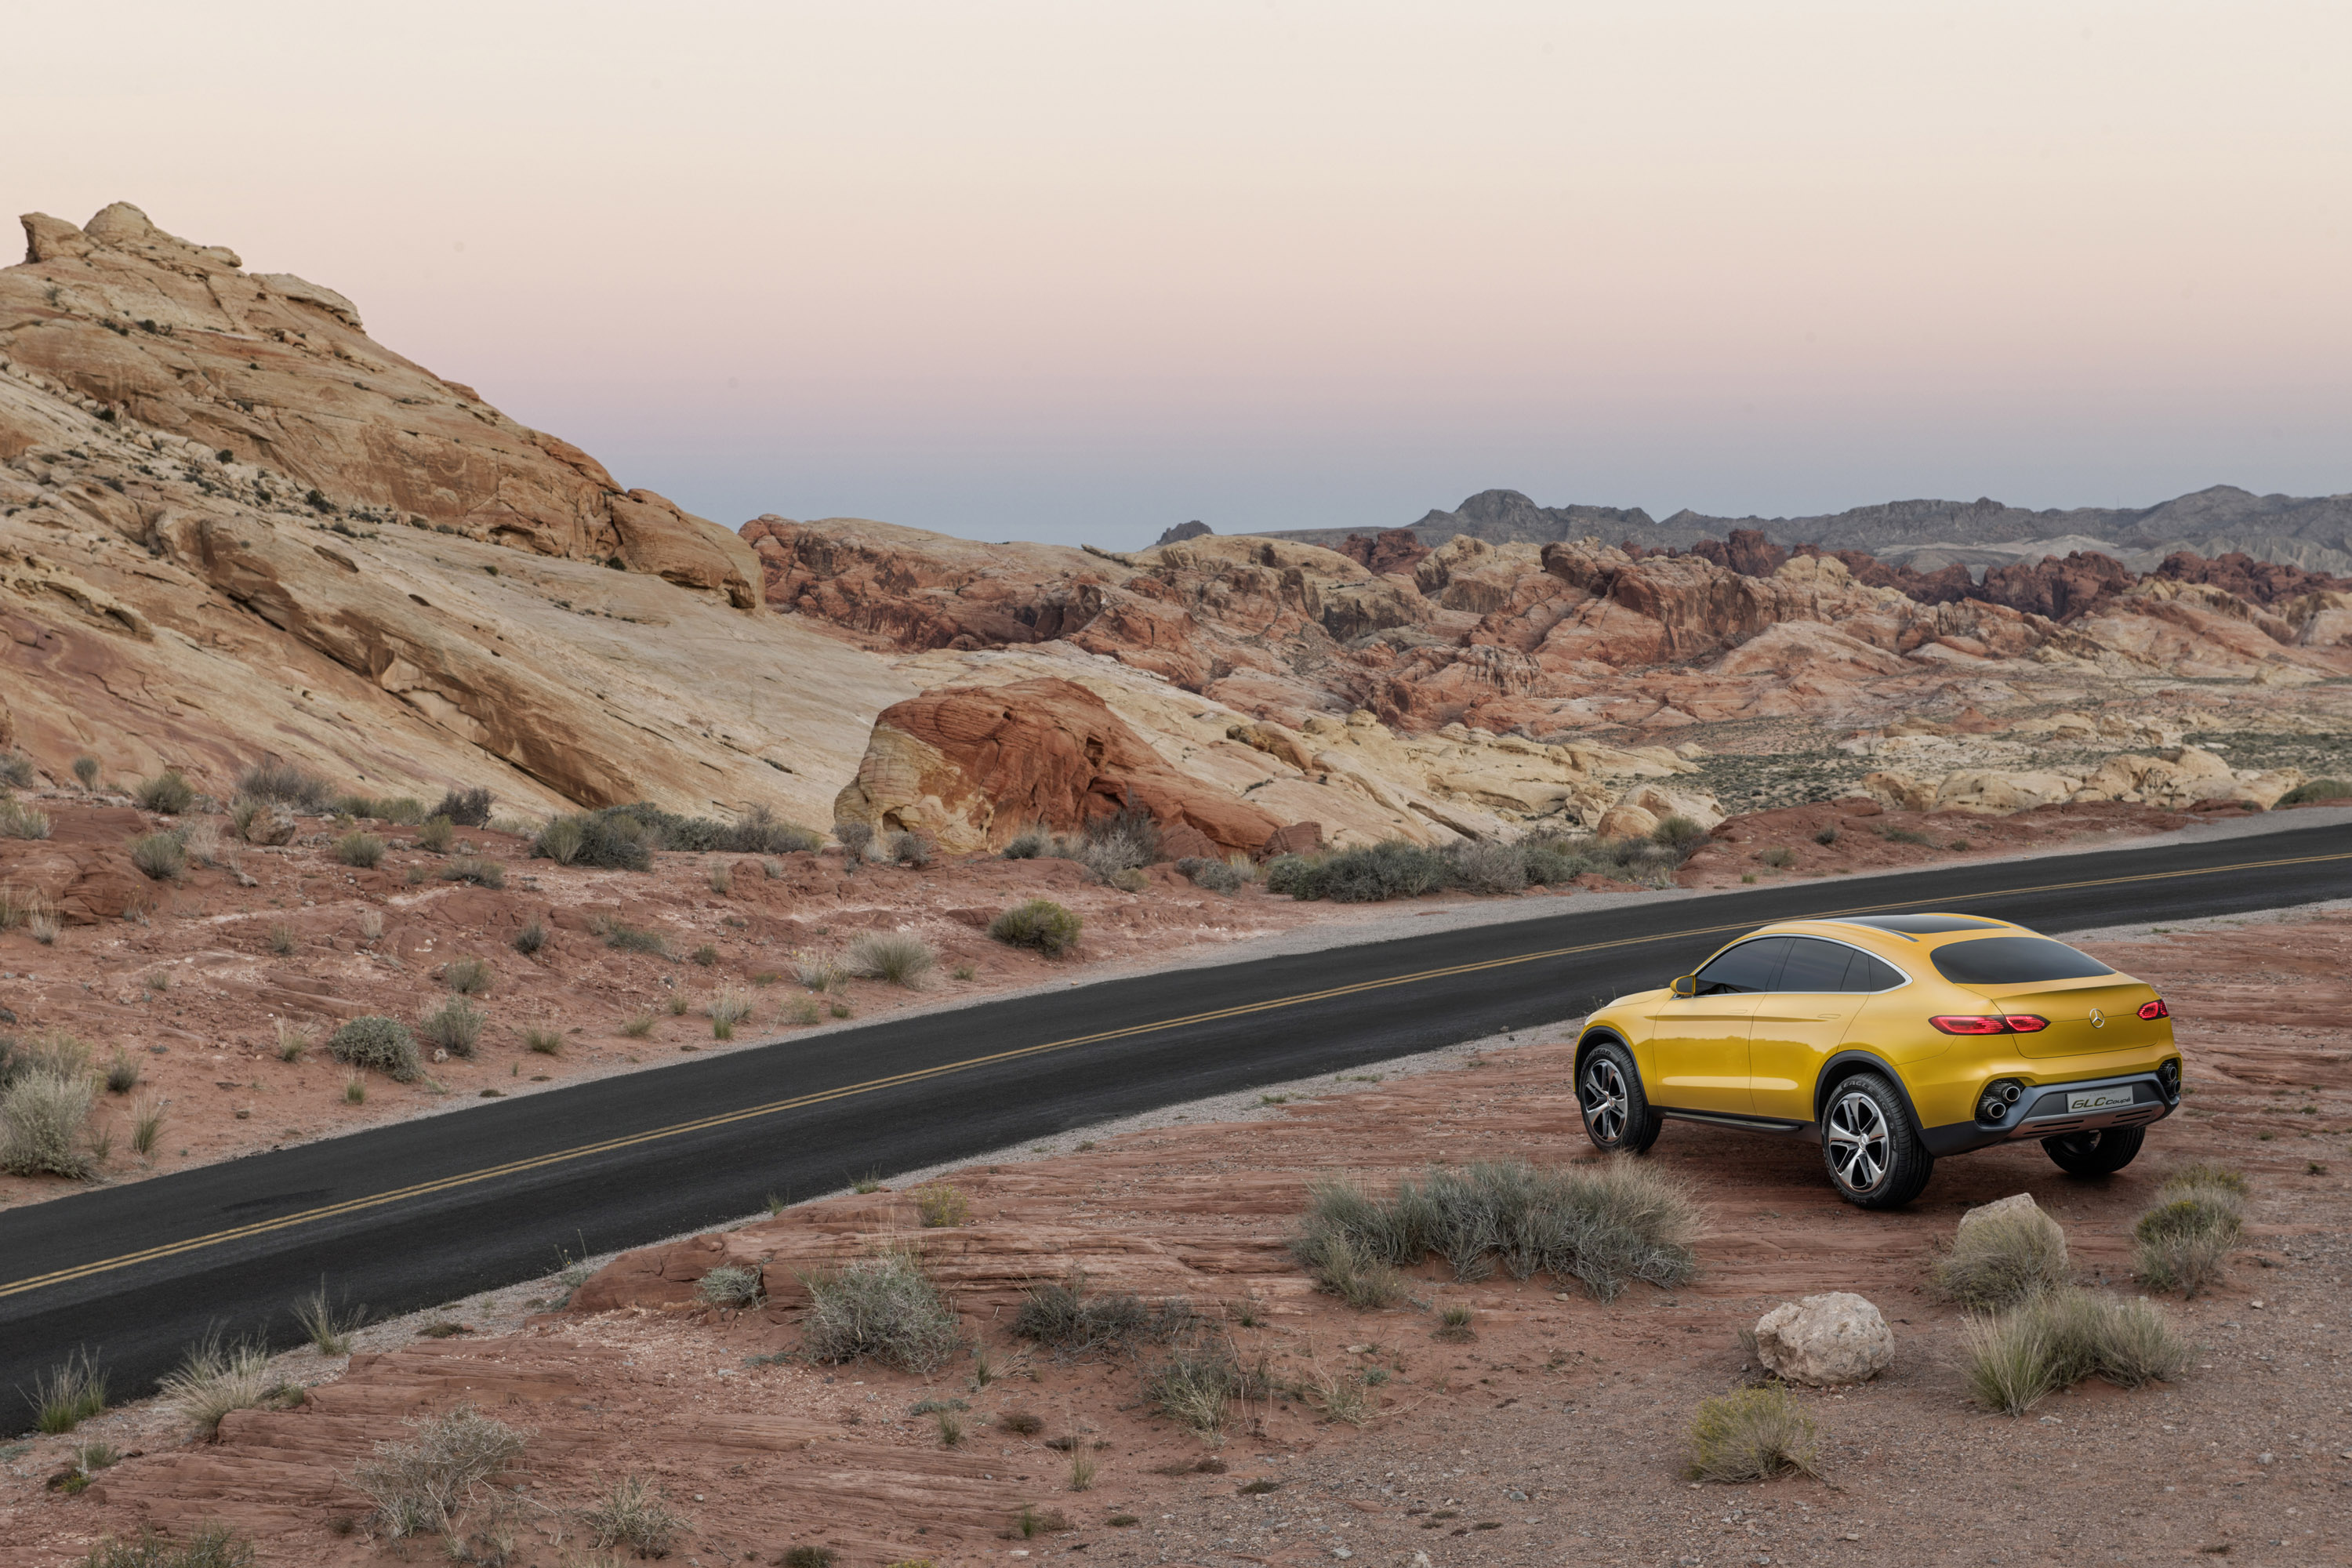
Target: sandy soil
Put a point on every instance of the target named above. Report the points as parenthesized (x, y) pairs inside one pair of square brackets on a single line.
[(1554, 1436), (194, 995)]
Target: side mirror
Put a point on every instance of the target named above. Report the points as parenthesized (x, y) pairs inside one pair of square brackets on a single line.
[(1686, 984)]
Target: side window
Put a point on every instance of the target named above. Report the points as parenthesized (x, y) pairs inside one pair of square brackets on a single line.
[(1869, 973), (1815, 966), (1750, 966)]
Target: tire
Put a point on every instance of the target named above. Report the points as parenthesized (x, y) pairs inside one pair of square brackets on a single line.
[(1617, 1114), (1873, 1152), (2098, 1153)]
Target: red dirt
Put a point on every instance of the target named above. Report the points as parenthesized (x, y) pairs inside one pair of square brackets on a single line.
[(1576, 1406)]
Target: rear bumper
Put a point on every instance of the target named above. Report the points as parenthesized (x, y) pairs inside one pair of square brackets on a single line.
[(2050, 1110)]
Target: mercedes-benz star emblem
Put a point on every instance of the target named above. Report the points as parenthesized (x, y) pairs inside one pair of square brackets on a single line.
[(2098, 1019)]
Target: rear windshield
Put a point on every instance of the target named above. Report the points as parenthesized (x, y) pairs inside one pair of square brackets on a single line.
[(2014, 960)]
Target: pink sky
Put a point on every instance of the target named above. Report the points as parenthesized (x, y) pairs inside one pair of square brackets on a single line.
[(1081, 271)]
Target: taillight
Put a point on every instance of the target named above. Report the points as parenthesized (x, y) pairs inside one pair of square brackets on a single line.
[(2156, 1009), (1989, 1023)]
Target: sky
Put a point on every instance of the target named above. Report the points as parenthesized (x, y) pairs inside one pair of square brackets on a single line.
[(1077, 272)]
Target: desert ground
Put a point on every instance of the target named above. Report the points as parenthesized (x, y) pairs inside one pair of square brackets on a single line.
[(1555, 1433)]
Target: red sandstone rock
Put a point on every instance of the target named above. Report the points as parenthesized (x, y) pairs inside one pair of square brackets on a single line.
[(2060, 590), (1298, 838), (973, 766), (2257, 582), (1393, 550)]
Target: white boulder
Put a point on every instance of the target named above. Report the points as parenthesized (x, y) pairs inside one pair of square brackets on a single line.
[(1825, 1340)]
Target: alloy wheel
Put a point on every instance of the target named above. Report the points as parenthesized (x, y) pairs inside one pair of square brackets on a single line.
[(1604, 1099), (1858, 1142)]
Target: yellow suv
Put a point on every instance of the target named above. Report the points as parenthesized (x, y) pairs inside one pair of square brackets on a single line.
[(1894, 1039)]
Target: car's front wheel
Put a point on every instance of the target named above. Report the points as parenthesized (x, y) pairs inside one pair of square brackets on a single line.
[(1617, 1114), (2099, 1154), (1875, 1157)]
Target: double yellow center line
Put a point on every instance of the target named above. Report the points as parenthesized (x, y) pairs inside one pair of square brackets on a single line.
[(873, 1086)]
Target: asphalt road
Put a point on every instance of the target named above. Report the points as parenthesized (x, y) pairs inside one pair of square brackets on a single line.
[(424, 1212)]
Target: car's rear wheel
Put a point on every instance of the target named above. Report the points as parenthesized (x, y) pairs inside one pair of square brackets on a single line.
[(2097, 1154), (1875, 1157), (1617, 1114)]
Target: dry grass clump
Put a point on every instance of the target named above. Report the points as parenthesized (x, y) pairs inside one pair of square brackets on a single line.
[(1602, 1225), (1346, 1269), (1198, 1384), (1041, 923), (469, 976), (2000, 1259), (885, 1308), (731, 1285), (633, 1514), (1067, 1316), (455, 1026), (16, 770), (376, 1042), (474, 868), (2061, 1337), (1752, 1434), (531, 939), (1217, 875), (121, 1073), (621, 937), (160, 857), (68, 1394), (215, 1379), (421, 1486), (942, 1207), (364, 850), (2182, 1242), (894, 956), (328, 1327), (168, 794), (273, 778), (608, 841), (467, 807), (727, 1009), (45, 1095), (18, 820), (207, 1546)]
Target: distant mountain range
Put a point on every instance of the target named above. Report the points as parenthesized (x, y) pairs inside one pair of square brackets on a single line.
[(2311, 532)]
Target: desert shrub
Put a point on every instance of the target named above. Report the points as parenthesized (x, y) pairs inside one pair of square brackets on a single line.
[(1124, 840), (910, 849), (727, 1009), (206, 1546), (1780, 857), (885, 1307), (531, 939), (215, 1379), (1827, 835), (1485, 867), (15, 770), (474, 868), (2316, 789), (200, 842), (609, 841), (18, 820), (1454, 1323), (1678, 832), (85, 768), (816, 971), (69, 1394), (1040, 923), (466, 808), (543, 1042), (802, 1011), (1392, 869), (633, 1514), (1198, 1384), (1906, 835), (361, 849), (1345, 1267), (18, 907), (2058, 1338), (2000, 1259), (854, 839), (168, 793), (1751, 1435), (44, 1109), (374, 1042), (760, 831), (1032, 843), (274, 779), (729, 1285), (328, 1327), (436, 834), (422, 1485), (942, 1207), (123, 1073), (894, 956), (2181, 1243), (454, 1027), (1601, 1226), (707, 954), (1066, 1316), (404, 811), (160, 856), (469, 976)]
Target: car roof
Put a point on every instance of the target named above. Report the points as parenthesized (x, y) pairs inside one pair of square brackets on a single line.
[(1897, 930)]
